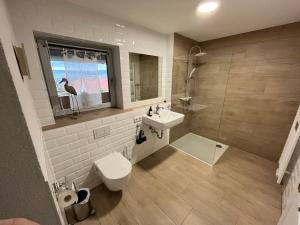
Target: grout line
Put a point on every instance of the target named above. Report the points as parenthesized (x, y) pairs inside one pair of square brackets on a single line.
[(164, 212), (136, 218), (175, 194), (186, 216), (225, 93)]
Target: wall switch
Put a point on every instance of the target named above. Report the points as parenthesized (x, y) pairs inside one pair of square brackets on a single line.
[(101, 132)]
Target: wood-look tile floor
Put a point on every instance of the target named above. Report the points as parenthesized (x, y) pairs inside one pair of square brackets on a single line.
[(171, 188)]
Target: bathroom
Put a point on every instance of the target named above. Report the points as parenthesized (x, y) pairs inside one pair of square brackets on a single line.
[(198, 116)]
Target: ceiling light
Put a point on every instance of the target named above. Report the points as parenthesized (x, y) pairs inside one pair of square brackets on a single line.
[(208, 6)]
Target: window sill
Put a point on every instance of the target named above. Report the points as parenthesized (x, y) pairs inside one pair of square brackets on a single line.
[(84, 117)]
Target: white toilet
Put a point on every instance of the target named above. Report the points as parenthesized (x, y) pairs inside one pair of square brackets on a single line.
[(114, 170)]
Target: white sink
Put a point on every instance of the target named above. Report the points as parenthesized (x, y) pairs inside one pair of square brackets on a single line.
[(164, 120)]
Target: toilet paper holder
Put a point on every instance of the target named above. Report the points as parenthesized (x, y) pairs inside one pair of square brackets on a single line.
[(60, 186)]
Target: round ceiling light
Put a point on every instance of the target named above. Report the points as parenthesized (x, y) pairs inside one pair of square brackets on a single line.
[(207, 6)]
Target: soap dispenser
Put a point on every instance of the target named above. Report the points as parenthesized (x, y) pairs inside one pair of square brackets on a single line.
[(150, 111)]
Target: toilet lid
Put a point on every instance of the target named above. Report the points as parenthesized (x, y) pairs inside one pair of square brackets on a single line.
[(114, 166)]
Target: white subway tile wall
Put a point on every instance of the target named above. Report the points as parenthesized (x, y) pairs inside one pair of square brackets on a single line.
[(73, 149), (62, 18)]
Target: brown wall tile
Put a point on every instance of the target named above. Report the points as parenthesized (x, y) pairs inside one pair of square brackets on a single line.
[(250, 84)]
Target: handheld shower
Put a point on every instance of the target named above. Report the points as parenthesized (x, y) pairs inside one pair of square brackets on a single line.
[(191, 73)]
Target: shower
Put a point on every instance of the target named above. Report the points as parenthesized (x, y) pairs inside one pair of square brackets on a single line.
[(192, 67), (202, 148)]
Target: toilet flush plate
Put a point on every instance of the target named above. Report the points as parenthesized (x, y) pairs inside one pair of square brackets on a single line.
[(101, 132)]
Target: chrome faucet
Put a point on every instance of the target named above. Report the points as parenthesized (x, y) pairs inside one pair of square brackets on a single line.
[(157, 109)]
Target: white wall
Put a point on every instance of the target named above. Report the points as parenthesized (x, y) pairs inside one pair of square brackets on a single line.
[(8, 39), (59, 17), (72, 149)]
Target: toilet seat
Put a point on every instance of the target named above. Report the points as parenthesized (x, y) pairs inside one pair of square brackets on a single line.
[(114, 166)]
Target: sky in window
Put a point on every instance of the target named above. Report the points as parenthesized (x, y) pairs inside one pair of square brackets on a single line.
[(85, 77)]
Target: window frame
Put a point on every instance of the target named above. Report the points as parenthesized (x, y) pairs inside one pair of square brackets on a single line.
[(43, 41)]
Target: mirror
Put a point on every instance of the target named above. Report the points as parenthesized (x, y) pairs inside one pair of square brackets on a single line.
[(144, 76)]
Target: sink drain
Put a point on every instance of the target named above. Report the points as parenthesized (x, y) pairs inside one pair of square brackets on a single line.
[(219, 146)]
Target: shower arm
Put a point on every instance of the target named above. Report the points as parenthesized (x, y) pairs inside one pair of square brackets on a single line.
[(194, 47)]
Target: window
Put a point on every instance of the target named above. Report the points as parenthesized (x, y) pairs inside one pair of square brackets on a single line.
[(78, 78)]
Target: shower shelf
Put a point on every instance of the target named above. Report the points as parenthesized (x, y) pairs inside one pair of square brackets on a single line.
[(194, 107), (185, 99)]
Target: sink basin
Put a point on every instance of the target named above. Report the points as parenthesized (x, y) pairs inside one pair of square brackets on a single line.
[(164, 120)]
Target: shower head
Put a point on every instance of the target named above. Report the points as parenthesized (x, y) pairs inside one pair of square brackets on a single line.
[(199, 54)]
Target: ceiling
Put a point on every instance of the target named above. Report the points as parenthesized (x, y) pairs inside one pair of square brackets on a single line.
[(168, 16)]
